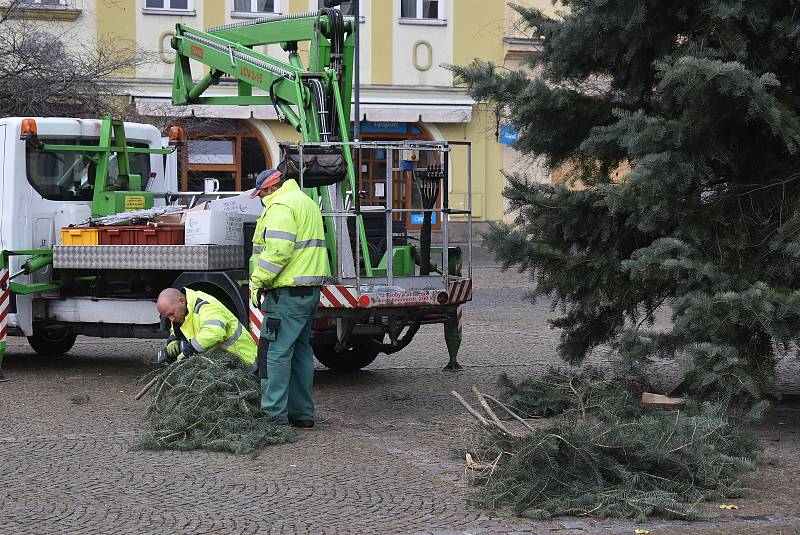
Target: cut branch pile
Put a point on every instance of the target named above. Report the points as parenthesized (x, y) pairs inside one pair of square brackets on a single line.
[(604, 454), (210, 402)]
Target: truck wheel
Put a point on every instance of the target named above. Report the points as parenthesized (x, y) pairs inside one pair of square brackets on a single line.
[(362, 352), (52, 341)]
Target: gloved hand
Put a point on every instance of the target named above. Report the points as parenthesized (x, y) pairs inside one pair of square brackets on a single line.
[(161, 357), (187, 350), (169, 353), (255, 297), (173, 349)]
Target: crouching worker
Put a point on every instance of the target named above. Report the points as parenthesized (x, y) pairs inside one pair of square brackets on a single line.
[(199, 323)]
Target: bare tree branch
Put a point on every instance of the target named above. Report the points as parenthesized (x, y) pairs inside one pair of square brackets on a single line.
[(9, 9), (40, 75)]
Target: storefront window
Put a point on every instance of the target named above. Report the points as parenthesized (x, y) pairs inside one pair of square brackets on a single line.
[(211, 151), (228, 150)]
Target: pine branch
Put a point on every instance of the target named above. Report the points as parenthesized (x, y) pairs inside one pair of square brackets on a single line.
[(209, 402), (625, 460)]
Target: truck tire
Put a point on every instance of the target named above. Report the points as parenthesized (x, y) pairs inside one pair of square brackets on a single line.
[(362, 352), (52, 341)]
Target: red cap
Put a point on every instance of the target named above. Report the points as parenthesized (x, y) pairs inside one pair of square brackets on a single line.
[(265, 179)]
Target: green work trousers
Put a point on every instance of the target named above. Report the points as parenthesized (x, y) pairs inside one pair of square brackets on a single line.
[(285, 357)]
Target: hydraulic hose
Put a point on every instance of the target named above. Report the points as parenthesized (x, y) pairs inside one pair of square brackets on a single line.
[(318, 88)]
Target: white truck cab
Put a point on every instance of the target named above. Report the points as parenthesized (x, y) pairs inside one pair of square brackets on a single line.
[(41, 192)]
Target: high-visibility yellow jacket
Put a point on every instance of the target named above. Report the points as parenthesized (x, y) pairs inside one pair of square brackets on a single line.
[(258, 235), (209, 325), (294, 252)]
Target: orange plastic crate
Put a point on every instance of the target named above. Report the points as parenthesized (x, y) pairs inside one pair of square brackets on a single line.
[(117, 235), (160, 236), (79, 236)]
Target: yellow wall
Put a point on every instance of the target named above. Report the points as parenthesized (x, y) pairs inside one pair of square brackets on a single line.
[(478, 37), (116, 21), (282, 131), (484, 125), (479, 30), (545, 6), (383, 21), (297, 6), (214, 12), (487, 160)]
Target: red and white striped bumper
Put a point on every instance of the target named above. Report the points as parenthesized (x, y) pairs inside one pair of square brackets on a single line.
[(5, 301), (256, 317), (338, 296), (460, 291)]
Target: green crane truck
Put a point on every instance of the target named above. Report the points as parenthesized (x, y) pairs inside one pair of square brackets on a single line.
[(377, 299)]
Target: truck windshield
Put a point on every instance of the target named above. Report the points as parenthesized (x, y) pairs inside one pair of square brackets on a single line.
[(69, 176)]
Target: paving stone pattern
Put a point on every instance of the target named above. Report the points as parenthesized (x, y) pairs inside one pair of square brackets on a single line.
[(382, 459)]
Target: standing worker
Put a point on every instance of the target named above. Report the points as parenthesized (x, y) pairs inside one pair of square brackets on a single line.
[(285, 284), (202, 323)]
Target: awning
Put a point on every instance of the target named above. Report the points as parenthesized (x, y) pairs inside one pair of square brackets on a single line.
[(448, 109), (162, 107), (412, 113)]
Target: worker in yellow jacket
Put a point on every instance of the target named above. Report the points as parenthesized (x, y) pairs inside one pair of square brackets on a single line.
[(285, 284), (203, 323)]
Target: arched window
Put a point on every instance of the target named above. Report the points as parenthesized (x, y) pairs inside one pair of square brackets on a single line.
[(229, 150)]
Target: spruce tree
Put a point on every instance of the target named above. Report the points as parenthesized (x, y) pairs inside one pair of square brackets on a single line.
[(699, 99)]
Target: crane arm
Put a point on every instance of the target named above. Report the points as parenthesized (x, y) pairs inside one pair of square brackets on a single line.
[(226, 57), (314, 99)]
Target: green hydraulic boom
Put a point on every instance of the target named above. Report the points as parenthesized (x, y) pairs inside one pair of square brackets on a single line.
[(314, 99)]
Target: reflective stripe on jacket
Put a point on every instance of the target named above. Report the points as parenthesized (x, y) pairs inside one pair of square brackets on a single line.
[(294, 251), (209, 325)]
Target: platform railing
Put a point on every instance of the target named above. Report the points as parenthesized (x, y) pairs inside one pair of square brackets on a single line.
[(393, 151)]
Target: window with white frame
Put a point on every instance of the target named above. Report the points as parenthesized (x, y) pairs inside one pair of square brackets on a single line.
[(422, 9), (172, 5), (346, 7), (256, 6)]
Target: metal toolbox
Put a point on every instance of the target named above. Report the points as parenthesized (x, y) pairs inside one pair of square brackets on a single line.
[(152, 257)]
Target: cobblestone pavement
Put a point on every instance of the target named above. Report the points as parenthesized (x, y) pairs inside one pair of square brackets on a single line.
[(381, 460)]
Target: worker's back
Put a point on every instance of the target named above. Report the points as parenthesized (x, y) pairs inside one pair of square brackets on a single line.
[(223, 330), (308, 264)]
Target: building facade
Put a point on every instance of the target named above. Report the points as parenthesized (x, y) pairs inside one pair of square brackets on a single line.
[(406, 93)]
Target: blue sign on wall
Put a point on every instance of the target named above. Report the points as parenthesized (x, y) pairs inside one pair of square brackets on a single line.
[(508, 134), (417, 219), (369, 127)]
